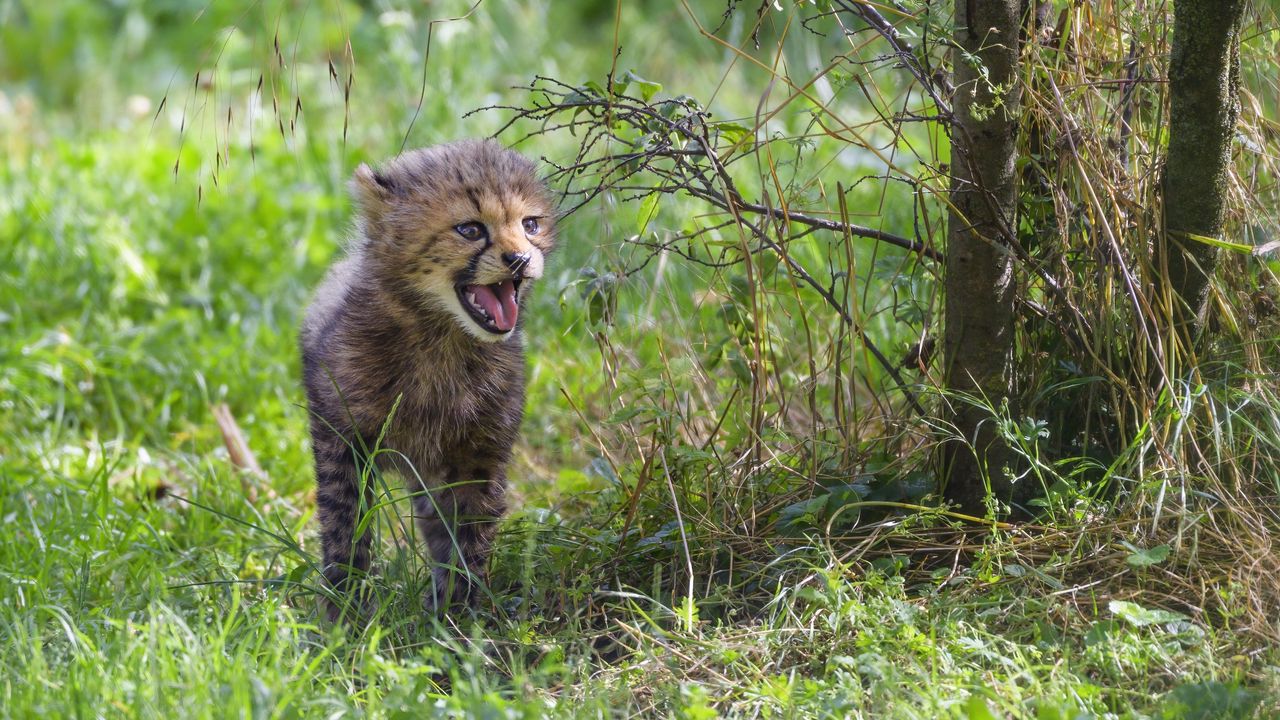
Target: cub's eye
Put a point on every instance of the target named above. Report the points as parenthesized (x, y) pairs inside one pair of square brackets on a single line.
[(531, 225), (471, 230)]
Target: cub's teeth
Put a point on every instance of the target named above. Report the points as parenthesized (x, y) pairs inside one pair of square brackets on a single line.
[(471, 298)]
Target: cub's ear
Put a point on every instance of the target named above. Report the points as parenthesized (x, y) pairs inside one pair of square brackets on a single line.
[(371, 190)]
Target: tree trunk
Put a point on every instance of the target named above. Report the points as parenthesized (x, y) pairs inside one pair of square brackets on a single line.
[(1204, 83), (979, 281)]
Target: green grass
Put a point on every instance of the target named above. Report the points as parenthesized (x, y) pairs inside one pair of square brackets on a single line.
[(138, 579)]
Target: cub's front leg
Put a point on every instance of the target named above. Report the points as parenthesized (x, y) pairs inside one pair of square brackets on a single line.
[(458, 519), (341, 498)]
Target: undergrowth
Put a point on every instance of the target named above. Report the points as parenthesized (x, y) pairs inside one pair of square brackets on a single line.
[(724, 499)]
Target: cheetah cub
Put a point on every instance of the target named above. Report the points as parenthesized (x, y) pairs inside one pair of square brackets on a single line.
[(413, 358)]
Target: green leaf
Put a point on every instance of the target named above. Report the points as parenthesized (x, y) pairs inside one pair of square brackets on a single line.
[(802, 514), (1140, 557), (577, 97), (295, 576), (739, 366), (1101, 632), (1139, 616), (648, 88), (669, 108), (740, 290), (733, 132), (599, 467), (626, 414), (648, 210), (977, 709), (1225, 245), (687, 611), (600, 294), (1209, 701), (570, 481), (911, 487), (891, 564)]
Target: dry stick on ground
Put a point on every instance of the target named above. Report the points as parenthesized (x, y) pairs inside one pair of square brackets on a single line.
[(241, 456)]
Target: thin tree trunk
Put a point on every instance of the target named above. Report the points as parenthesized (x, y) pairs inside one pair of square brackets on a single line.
[(1204, 87), (979, 282)]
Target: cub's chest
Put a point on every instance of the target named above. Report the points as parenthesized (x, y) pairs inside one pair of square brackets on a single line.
[(458, 399)]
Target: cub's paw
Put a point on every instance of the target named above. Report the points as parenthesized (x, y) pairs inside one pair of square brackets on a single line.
[(347, 600), (452, 589)]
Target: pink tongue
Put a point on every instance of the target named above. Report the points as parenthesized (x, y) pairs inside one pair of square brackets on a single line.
[(499, 300)]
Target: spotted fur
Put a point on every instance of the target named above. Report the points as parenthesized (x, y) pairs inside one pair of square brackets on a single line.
[(387, 329)]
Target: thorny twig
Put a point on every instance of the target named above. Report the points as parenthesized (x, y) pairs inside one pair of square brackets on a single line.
[(672, 147), (683, 170)]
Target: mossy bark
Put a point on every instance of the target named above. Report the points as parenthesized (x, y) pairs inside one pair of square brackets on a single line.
[(980, 282), (1204, 105)]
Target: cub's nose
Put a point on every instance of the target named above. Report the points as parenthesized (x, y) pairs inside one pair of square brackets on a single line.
[(517, 261)]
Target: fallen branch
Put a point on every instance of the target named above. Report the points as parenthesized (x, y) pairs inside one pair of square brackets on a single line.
[(242, 457)]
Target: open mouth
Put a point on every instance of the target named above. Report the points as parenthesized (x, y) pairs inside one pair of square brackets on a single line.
[(493, 307)]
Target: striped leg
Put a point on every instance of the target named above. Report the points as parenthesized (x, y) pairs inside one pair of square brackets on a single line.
[(339, 507), (458, 529)]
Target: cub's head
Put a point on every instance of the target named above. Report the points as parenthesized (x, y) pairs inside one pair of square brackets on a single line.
[(462, 227)]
